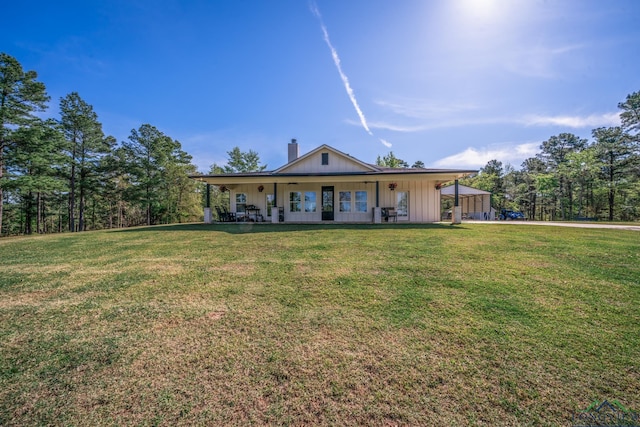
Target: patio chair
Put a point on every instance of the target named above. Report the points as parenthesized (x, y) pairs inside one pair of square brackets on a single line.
[(222, 217), (391, 214), (220, 213), (231, 216)]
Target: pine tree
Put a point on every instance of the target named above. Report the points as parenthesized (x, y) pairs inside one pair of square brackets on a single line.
[(86, 144), (148, 154), (20, 96), (31, 166)]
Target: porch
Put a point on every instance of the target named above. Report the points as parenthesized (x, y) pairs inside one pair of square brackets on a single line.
[(319, 202)]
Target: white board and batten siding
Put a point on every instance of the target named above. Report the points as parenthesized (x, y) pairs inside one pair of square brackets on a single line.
[(336, 164), (423, 200), (423, 204)]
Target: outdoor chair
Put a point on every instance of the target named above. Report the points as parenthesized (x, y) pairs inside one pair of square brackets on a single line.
[(231, 216), (390, 214), (221, 215), (224, 215)]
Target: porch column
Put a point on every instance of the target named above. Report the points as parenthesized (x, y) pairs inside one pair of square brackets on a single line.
[(207, 210), (274, 209), (377, 212), (456, 218)]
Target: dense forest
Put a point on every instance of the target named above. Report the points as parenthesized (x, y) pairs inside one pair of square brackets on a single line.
[(571, 178), (65, 174), (574, 178)]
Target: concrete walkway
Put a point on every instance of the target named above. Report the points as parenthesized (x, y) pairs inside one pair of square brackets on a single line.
[(561, 224)]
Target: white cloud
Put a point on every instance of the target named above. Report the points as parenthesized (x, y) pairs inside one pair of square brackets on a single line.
[(416, 116), (591, 121), (389, 126), (422, 109), (539, 61), (513, 154), (438, 124), (386, 143)]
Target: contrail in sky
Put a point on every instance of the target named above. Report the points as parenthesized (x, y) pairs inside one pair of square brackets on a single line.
[(343, 76)]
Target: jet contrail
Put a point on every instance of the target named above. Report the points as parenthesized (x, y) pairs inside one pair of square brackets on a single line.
[(343, 76)]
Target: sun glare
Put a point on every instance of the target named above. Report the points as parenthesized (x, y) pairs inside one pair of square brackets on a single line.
[(482, 10), (484, 22), (480, 13)]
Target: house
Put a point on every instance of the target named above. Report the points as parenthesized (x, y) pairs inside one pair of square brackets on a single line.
[(329, 185)]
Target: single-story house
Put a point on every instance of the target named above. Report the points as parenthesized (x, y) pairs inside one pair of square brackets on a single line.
[(474, 203), (329, 185)]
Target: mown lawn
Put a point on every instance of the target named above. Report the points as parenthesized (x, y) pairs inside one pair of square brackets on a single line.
[(474, 324)]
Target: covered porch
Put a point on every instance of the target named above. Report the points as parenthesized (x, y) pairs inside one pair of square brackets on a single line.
[(474, 203), (311, 199)]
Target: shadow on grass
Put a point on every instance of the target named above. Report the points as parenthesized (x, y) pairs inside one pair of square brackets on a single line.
[(250, 227)]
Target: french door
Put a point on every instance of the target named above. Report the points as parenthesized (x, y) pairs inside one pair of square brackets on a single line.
[(327, 203)]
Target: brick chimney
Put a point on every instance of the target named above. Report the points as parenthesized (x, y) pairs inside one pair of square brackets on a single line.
[(294, 151)]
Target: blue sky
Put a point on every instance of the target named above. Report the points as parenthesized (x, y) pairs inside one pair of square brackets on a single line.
[(453, 83)]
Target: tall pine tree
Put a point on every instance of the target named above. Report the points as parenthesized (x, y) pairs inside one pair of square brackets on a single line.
[(20, 96), (615, 150), (32, 170), (86, 144), (148, 153)]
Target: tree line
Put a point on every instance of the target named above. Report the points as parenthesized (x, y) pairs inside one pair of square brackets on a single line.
[(65, 174), (572, 177)]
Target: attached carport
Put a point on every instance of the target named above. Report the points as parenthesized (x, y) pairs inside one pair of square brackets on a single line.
[(474, 203)]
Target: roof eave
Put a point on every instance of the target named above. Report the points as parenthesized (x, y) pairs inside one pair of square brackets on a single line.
[(442, 175)]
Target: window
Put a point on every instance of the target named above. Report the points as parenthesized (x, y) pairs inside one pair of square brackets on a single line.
[(295, 201), (402, 197), (241, 202), (271, 200), (310, 201), (361, 201), (345, 201), (325, 158)]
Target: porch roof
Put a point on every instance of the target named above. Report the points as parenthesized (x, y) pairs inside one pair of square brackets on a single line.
[(380, 174), (463, 191)]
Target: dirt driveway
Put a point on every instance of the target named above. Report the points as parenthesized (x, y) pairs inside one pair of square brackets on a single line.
[(561, 224)]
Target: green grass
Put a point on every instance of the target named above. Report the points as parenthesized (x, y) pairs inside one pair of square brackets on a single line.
[(324, 325)]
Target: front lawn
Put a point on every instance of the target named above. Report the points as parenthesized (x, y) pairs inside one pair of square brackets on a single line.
[(238, 324)]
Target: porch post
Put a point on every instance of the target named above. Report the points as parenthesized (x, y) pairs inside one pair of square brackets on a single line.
[(275, 217), (377, 213), (456, 218), (207, 210), (275, 193)]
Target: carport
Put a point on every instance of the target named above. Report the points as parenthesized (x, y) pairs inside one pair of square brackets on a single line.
[(474, 203)]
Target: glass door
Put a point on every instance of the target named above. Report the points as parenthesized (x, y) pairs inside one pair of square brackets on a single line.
[(402, 204), (327, 203)]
